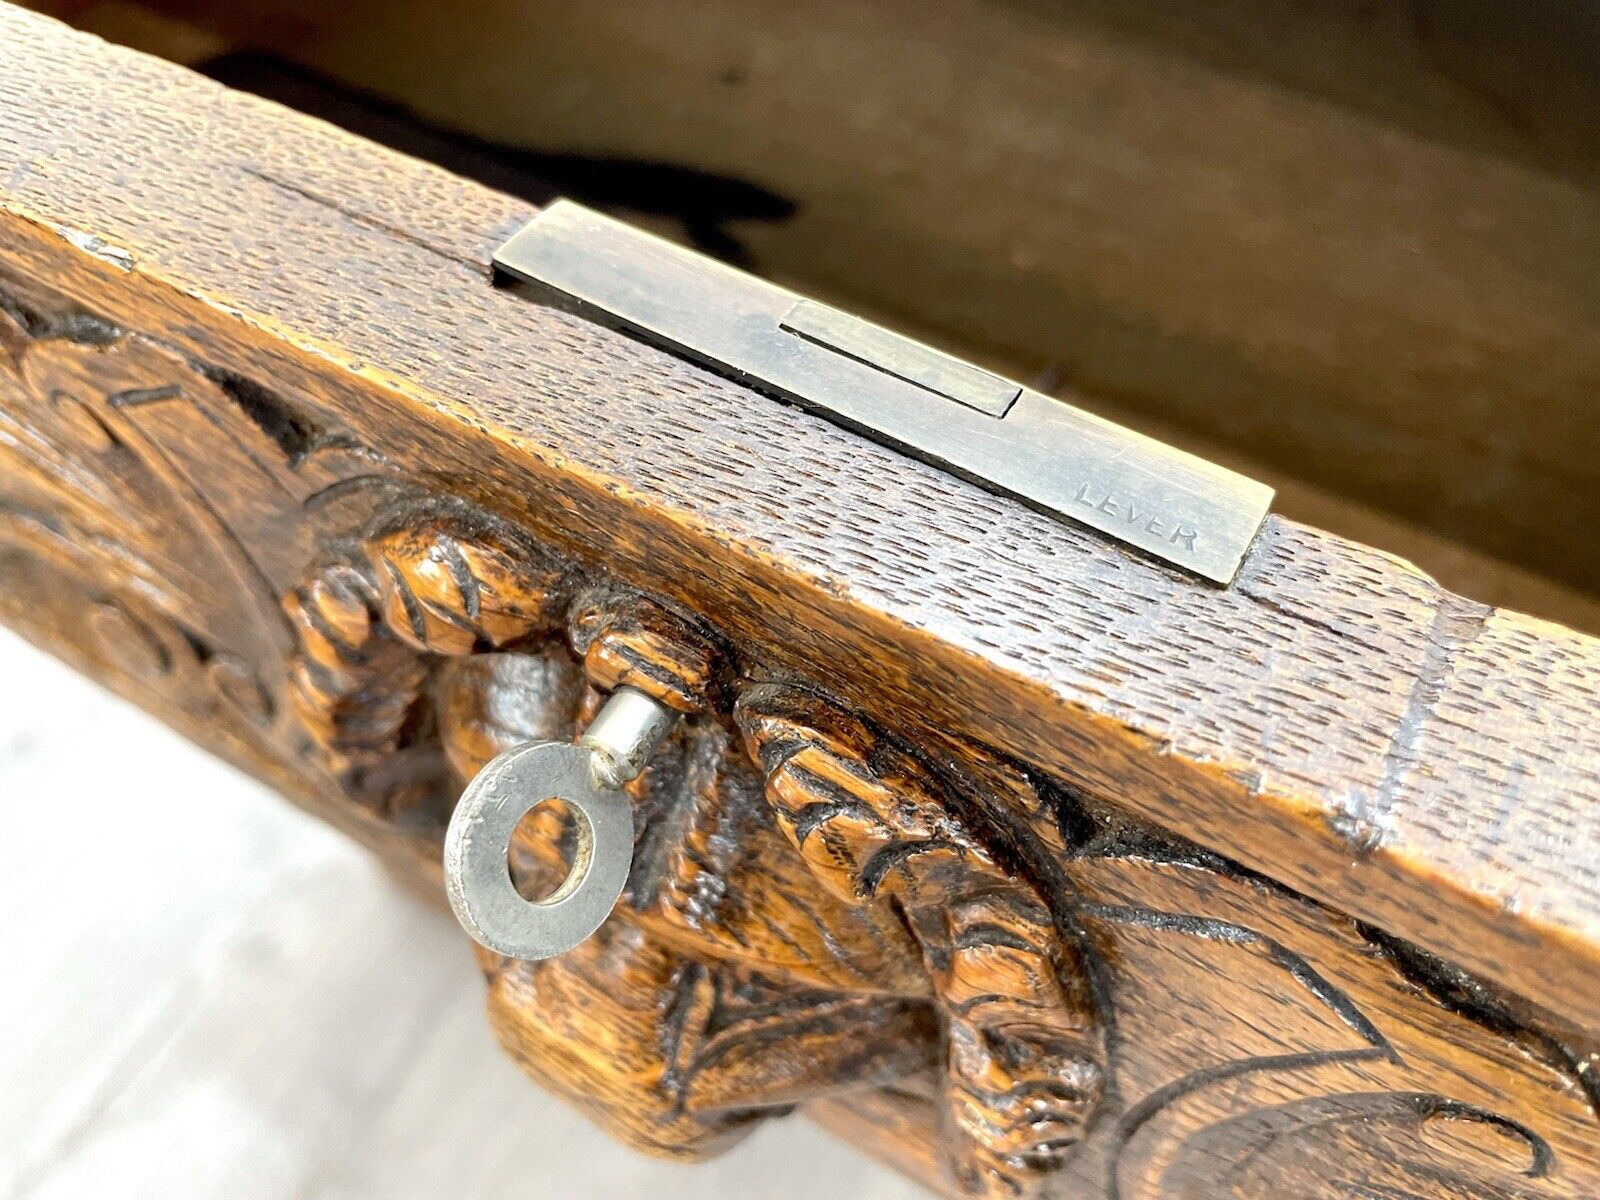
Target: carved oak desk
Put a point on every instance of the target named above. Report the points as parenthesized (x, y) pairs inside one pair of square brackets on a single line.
[(1032, 865)]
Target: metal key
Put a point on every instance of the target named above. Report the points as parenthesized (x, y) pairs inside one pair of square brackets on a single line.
[(588, 776)]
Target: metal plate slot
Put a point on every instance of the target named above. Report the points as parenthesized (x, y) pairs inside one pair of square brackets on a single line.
[(920, 401), (887, 351)]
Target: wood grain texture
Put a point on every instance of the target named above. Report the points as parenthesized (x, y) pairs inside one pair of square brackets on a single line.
[(700, 207), (1111, 883), (1070, 993), (1333, 719), (1358, 238)]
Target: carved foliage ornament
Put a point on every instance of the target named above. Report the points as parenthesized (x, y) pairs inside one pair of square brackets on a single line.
[(1087, 1006), (1069, 1003)]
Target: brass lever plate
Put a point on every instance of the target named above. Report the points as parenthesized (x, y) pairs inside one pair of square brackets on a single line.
[(918, 400)]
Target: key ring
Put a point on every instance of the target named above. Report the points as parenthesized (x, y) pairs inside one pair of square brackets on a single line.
[(588, 776)]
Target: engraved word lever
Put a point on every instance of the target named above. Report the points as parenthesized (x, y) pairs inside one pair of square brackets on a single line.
[(588, 776), (920, 401)]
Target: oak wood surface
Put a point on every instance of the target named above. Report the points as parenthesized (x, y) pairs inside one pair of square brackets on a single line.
[(1360, 240), (703, 208), (1065, 873), (1333, 719)]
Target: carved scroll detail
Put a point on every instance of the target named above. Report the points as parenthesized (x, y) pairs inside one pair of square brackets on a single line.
[(846, 914), (433, 579), (1063, 1001), (434, 636), (116, 554), (1024, 1062)]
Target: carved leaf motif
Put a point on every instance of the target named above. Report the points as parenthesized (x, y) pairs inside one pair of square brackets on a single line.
[(692, 1053), (1107, 1013), (452, 585), (627, 639), (1290, 1057), (128, 559), (1024, 1066)]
